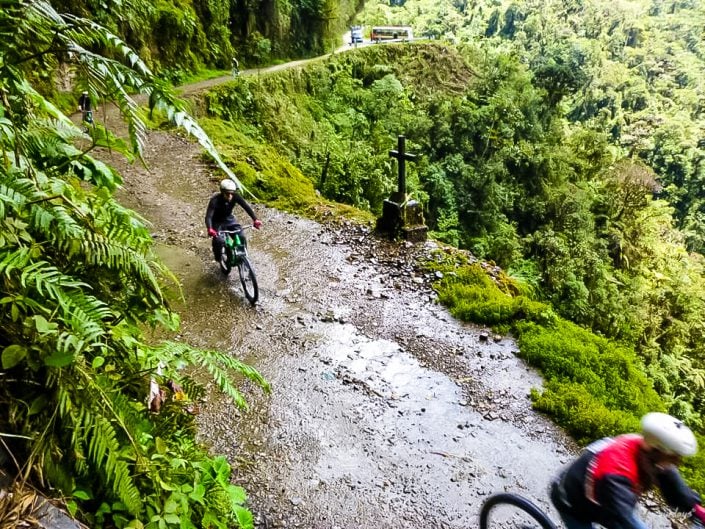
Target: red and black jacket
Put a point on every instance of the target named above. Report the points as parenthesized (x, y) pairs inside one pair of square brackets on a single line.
[(604, 484)]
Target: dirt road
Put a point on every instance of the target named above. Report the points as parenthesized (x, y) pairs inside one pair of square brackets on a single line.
[(385, 411)]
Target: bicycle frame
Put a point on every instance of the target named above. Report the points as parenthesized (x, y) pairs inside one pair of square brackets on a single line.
[(235, 256), (236, 243)]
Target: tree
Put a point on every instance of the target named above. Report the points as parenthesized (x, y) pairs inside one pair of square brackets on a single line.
[(78, 284)]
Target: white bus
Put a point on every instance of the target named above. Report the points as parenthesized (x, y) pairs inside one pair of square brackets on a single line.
[(379, 33)]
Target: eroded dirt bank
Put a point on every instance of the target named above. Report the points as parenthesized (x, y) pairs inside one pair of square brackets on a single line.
[(385, 411)]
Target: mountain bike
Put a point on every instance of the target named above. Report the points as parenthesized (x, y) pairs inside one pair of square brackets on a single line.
[(235, 256), (512, 510)]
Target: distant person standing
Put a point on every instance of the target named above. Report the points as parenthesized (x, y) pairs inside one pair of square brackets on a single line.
[(236, 67), (84, 106)]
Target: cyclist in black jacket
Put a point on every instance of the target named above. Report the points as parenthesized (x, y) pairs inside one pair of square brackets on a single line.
[(219, 214), (604, 484)]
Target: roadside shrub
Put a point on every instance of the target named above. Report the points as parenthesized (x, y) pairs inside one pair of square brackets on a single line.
[(608, 372), (472, 295), (583, 415)]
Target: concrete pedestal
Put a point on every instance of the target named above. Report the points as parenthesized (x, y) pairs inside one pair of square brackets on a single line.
[(402, 219)]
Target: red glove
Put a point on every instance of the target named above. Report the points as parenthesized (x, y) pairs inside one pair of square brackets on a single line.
[(212, 232), (257, 224), (699, 513)]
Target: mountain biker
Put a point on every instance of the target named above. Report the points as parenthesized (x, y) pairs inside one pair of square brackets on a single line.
[(84, 106), (219, 214), (603, 484)]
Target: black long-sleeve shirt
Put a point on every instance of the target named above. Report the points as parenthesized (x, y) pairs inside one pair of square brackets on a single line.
[(220, 211), (84, 103)]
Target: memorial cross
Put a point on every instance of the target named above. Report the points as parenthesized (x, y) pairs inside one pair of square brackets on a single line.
[(401, 155)]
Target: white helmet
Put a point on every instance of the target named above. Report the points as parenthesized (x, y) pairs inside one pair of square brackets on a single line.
[(228, 185), (668, 434)]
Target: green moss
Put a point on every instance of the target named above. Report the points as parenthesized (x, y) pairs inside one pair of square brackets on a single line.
[(472, 294), (580, 413), (609, 372)]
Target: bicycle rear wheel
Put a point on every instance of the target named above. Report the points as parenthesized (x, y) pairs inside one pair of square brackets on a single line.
[(507, 510), (248, 280)]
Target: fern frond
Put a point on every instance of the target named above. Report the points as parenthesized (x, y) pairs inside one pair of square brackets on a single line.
[(81, 28), (15, 260), (233, 364), (94, 439), (220, 366), (98, 250), (80, 317), (15, 192), (104, 452)]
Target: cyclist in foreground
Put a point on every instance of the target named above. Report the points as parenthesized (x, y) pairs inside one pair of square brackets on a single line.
[(219, 214), (604, 483)]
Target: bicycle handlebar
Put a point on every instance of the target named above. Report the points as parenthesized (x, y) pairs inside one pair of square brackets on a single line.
[(242, 228)]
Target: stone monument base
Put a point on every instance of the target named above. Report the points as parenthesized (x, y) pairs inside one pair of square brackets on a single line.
[(415, 233), (403, 220)]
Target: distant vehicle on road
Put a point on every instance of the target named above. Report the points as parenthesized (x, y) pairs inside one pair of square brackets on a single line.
[(355, 34), (380, 33)]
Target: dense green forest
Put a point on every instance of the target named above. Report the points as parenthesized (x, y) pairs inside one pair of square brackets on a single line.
[(632, 70), (561, 140), (177, 36)]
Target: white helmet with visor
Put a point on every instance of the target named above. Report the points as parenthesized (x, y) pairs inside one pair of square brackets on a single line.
[(228, 185), (668, 434)]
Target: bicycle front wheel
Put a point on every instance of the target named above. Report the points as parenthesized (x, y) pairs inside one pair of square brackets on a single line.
[(226, 260), (248, 280), (507, 510)]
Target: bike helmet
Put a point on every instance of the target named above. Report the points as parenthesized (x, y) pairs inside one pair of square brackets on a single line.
[(668, 434), (228, 185)]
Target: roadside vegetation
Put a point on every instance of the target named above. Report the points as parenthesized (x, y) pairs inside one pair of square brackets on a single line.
[(93, 407)]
